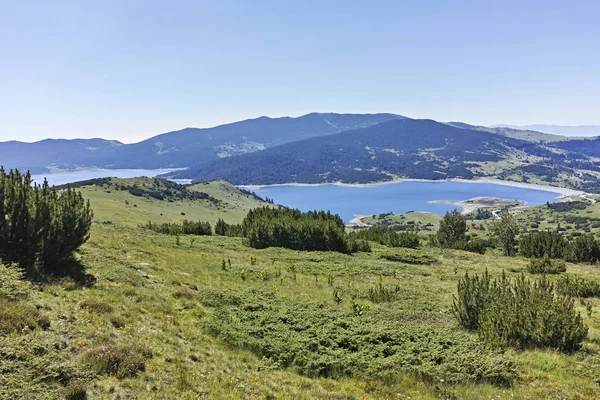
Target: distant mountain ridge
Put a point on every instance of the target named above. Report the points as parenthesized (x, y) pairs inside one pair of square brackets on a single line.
[(49, 154), (565, 130), (180, 148)]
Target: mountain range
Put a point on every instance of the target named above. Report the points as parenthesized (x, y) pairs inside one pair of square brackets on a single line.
[(405, 148), (180, 148), (565, 130), (327, 147)]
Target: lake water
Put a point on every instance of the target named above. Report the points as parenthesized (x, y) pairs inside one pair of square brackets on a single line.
[(61, 178), (397, 198)]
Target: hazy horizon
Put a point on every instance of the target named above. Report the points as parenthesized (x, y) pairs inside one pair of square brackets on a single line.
[(130, 70), (152, 134)]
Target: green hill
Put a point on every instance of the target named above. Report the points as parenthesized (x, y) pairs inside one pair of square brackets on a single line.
[(137, 200)]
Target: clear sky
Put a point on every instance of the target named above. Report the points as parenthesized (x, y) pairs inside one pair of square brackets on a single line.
[(128, 70)]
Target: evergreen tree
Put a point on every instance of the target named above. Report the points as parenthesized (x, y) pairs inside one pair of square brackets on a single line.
[(505, 231), (453, 228)]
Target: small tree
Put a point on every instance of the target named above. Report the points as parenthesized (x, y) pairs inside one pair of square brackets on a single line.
[(40, 226), (220, 227), (505, 230), (453, 228)]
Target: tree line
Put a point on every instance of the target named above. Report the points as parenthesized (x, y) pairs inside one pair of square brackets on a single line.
[(200, 228), (512, 240)]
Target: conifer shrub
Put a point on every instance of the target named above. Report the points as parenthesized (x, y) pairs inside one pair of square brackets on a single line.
[(518, 313), (380, 294), (409, 257), (311, 231), (388, 237), (546, 265), (585, 248), (337, 342), (222, 228), (12, 286), (578, 287), (472, 245), (40, 226), (200, 228), (540, 244)]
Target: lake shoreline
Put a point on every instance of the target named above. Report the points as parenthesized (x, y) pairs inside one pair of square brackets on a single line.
[(563, 192)]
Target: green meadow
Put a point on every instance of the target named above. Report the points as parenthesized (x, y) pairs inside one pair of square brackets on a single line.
[(162, 317)]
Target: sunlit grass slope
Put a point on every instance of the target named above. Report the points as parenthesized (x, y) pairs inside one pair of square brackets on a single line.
[(196, 320)]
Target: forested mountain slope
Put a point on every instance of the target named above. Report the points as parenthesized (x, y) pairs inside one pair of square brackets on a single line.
[(399, 148)]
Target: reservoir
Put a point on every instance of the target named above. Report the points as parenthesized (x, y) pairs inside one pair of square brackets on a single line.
[(400, 197)]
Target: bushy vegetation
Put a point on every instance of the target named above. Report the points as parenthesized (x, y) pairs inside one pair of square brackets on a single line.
[(480, 214), (540, 244), (546, 265), (120, 361), (409, 257), (380, 293), (578, 287), (40, 226), (387, 237), (585, 248), (184, 228), (20, 317), (453, 229), (564, 206), (293, 229), (505, 231), (518, 313), (222, 228), (329, 341), (472, 245)]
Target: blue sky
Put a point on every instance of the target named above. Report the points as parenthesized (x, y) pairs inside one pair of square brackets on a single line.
[(128, 70)]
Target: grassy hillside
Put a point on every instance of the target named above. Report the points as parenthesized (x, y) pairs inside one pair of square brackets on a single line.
[(179, 322), (113, 201), (404, 148)]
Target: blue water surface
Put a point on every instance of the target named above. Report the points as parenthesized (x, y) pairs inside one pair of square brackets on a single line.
[(397, 198)]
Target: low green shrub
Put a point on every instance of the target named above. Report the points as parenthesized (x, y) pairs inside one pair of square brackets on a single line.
[(76, 390), (12, 285), (546, 265), (381, 294), (318, 340), (409, 257), (472, 245), (387, 237), (578, 287), (96, 306), (200, 228), (184, 293), (518, 313), (120, 361), (20, 317)]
